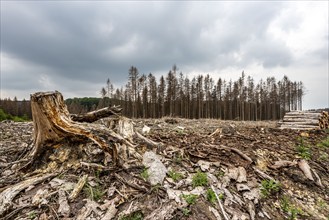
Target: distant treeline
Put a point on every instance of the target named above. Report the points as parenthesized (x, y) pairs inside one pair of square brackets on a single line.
[(176, 95), (202, 97), (14, 108)]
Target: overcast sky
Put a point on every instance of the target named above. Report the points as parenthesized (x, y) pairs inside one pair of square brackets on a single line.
[(74, 46)]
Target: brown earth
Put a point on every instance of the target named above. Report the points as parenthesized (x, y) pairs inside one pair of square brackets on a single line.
[(238, 158)]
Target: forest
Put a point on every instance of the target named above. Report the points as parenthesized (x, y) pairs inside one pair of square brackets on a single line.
[(176, 95)]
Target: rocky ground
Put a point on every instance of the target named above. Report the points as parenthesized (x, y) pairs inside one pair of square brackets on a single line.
[(211, 169)]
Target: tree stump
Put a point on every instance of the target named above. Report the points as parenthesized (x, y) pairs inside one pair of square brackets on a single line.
[(54, 126)]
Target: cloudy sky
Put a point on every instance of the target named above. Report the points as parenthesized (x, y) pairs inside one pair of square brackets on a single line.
[(74, 46)]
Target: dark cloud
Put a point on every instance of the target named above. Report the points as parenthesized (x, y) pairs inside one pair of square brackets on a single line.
[(73, 44), (79, 38)]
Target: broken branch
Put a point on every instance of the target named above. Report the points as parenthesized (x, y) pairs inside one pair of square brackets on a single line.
[(96, 115), (9, 194)]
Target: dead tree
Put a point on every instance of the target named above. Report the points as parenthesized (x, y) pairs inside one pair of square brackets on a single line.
[(54, 126)]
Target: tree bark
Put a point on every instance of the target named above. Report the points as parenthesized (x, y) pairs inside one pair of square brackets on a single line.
[(54, 126)]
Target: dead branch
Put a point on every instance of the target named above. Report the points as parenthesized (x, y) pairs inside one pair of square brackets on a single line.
[(9, 194), (163, 212), (131, 184), (96, 115), (282, 163), (318, 180), (303, 165), (95, 165), (263, 175), (148, 141), (237, 151), (217, 131), (78, 187), (64, 208)]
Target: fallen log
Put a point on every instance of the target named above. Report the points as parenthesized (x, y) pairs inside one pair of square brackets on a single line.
[(96, 115), (309, 121), (299, 127), (301, 123), (303, 113)]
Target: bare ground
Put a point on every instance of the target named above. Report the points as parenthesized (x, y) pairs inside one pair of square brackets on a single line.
[(239, 158)]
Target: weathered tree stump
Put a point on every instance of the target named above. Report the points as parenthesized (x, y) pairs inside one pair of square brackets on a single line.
[(53, 126), (65, 138)]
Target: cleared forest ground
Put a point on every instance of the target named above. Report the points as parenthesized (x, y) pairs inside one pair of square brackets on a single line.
[(239, 160)]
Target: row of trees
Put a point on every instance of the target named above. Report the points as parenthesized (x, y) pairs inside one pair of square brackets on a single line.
[(203, 97), (179, 96), (12, 108)]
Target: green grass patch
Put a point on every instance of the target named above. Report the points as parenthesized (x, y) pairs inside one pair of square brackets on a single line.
[(190, 198), (269, 187), (200, 179), (292, 211), (186, 212), (211, 196), (144, 174), (32, 215), (324, 143), (303, 149), (176, 176)]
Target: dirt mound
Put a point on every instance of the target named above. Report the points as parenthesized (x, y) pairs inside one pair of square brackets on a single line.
[(215, 170)]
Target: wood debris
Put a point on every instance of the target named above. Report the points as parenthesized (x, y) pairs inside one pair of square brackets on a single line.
[(78, 187), (227, 158), (303, 165), (324, 120), (9, 194), (305, 120), (283, 163)]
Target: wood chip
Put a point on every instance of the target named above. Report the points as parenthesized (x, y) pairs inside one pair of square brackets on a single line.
[(163, 212), (110, 213), (264, 175), (78, 187), (64, 207), (242, 175), (251, 210), (204, 165), (282, 163), (40, 197), (215, 212), (9, 194), (318, 180), (242, 187), (90, 206), (303, 165)]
